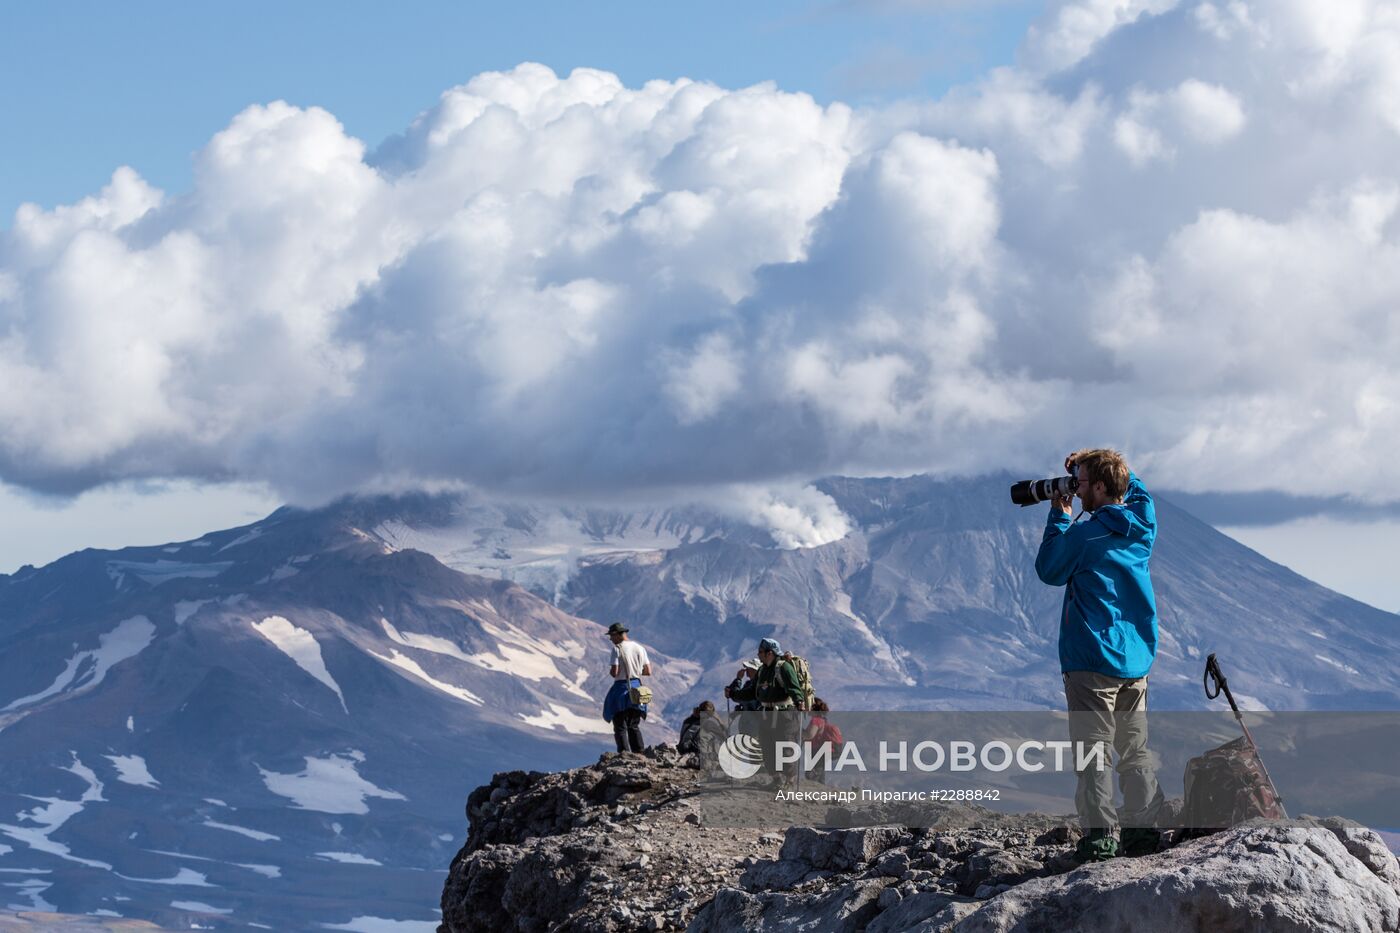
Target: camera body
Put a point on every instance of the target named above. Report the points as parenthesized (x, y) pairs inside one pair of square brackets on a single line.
[(1030, 491)]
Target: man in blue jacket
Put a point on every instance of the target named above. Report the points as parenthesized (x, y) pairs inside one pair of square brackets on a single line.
[(1108, 640)]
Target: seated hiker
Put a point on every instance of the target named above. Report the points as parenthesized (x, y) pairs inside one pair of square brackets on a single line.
[(822, 733), (701, 732), (622, 707), (690, 727)]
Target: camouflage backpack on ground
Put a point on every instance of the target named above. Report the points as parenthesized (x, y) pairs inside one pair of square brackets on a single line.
[(1225, 786), (804, 677)]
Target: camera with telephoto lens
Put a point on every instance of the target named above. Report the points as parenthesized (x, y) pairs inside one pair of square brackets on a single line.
[(1030, 491)]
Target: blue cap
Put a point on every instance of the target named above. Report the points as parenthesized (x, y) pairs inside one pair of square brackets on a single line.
[(770, 644)]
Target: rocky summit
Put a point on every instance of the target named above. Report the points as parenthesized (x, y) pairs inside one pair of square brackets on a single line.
[(626, 844)]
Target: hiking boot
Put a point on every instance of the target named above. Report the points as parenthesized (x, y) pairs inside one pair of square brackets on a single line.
[(1137, 842), (1098, 845)]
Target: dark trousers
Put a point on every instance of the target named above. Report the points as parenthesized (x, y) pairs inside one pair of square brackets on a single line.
[(627, 729), (770, 727)]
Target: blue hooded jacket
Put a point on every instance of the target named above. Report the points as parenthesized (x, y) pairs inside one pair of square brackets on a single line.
[(1109, 621)]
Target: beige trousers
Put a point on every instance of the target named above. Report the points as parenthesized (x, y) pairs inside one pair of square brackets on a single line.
[(1112, 711)]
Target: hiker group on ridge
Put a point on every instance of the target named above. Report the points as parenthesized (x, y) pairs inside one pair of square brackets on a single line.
[(1107, 646), (771, 682)]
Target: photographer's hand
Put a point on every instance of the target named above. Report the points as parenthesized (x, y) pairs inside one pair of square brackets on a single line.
[(1066, 503)]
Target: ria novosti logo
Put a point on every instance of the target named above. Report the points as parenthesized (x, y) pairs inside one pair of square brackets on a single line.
[(740, 756)]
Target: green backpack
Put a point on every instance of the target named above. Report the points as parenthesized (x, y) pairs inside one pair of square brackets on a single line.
[(804, 678)]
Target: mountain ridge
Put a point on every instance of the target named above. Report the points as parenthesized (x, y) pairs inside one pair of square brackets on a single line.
[(335, 677)]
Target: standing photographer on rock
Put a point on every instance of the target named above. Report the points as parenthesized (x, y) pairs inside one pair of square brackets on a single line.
[(1108, 641)]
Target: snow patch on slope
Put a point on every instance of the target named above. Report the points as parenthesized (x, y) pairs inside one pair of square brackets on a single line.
[(1337, 664), (381, 925), (186, 608), (404, 662), (32, 889), (131, 769), (562, 717), (267, 871), (299, 645), (185, 877), (288, 568), (86, 669), (242, 539), (433, 643), (243, 831), (328, 785), (520, 655), (163, 571), (841, 602), (200, 907), (50, 818), (347, 858)]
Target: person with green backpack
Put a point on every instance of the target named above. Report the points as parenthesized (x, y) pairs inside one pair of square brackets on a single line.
[(776, 687)]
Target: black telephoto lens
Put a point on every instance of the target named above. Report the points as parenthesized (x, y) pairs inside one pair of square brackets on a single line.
[(1030, 491), (1021, 493)]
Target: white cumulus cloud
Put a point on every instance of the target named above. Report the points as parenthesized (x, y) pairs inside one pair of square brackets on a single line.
[(1173, 228), (1071, 29), (1193, 111)]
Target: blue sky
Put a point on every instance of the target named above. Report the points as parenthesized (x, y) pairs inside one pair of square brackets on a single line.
[(940, 235), (90, 86)]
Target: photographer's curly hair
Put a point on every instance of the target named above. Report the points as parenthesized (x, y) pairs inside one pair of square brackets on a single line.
[(1106, 466)]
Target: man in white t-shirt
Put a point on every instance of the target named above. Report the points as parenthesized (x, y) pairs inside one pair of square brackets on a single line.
[(629, 663)]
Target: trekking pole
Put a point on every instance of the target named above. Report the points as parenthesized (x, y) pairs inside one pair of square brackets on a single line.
[(1215, 677), (801, 745)]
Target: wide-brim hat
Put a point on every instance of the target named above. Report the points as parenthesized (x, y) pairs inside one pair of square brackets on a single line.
[(617, 628), (752, 664)]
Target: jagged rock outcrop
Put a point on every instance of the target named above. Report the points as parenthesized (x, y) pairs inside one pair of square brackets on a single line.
[(614, 846), (625, 844)]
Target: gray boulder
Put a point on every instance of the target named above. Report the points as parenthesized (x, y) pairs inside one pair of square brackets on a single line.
[(1289, 878), (924, 910), (846, 909), (840, 849)]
